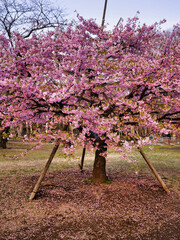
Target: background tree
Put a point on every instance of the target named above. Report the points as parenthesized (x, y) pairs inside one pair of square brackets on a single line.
[(27, 17)]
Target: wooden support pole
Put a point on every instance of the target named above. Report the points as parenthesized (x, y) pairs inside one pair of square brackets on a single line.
[(44, 171), (82, 159), (118, 22), (154, 170), (104, 13)]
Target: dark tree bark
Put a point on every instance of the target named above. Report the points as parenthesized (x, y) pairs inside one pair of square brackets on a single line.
[(3, 142), (82, 160), (99, 169)]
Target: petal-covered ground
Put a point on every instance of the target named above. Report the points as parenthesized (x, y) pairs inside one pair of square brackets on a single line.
[(69, 206)]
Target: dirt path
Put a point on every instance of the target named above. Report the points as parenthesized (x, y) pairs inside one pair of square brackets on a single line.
[(70, 206)]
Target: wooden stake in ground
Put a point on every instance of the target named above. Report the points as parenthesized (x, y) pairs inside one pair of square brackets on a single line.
[(104, 13), (154, 170), (82, 159), (44, 171)]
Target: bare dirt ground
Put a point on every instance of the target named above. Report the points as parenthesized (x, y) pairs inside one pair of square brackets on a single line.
[(69, 206)]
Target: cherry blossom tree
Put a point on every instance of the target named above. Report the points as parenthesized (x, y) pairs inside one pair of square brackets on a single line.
[(101, 82)]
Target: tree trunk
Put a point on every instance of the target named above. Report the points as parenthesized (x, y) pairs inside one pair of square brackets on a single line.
[(99, 170), (3, 138), (82, 160), (3, 142)]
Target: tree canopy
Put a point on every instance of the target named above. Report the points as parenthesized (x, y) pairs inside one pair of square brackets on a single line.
[(101, 82)]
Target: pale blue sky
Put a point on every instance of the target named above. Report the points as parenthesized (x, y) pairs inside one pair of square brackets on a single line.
[(150, 10)]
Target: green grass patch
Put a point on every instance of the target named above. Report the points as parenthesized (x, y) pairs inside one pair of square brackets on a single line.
[(107, 182), (165, 158)]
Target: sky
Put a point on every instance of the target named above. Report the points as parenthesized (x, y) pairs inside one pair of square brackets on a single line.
[(150, 10)]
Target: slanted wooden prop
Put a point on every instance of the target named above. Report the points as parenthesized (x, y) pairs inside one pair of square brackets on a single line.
[(44, 171), (153, 170)]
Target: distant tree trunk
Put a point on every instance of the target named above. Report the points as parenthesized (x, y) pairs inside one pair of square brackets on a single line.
[(19, 131), (28, 130), (3, 141), (99, 169), (82, 159)]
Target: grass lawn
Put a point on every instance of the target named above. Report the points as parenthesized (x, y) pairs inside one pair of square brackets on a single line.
[(165, 158), (131, 205)]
